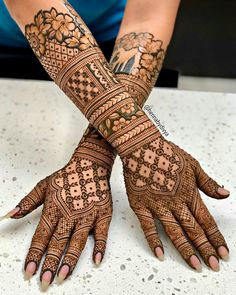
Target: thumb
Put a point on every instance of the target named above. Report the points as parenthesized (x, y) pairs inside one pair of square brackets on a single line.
[(30, 202), (209, 186)]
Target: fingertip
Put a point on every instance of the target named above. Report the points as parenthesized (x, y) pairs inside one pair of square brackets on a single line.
[(214, 263), (98, 258), (195, 262), (31, 267), (10, 214), (159, 253), (63, 272), (223, 192), (46, 280), (223, 253)]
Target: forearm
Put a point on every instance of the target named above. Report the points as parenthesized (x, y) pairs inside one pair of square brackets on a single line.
[(144, 37), (157, 17), (71, 56), (139, 86)]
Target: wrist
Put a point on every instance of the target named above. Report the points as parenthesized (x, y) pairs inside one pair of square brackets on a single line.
[(94, 147), (131, 130)]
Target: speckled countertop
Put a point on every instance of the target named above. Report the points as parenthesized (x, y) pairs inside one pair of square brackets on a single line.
[(39, 129)]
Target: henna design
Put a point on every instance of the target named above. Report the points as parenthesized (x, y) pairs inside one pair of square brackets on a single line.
[(70, 187), (157, 169), (139, 55), (71, 56), (76, 199), (161, 181)]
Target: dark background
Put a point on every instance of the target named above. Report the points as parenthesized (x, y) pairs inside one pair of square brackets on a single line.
[(204, 40), (203, 44)]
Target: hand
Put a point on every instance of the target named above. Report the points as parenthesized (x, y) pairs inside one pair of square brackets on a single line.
[(76, 199), (162, 181)]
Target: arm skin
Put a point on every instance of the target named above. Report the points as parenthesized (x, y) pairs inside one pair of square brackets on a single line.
[(135, 26), (63, 44)]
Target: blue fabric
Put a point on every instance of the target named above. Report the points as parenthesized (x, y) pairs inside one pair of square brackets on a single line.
[(102, 17)]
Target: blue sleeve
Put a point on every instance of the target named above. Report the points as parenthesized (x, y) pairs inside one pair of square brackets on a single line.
[(102, 17)]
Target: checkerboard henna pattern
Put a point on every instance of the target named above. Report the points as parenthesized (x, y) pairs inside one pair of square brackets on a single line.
[(161, 171), (136, 86), (75, 200), (162, 181)]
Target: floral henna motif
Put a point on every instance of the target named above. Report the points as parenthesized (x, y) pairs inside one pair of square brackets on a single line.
[(161, 181), (140, 55), (70, 55), (82, 184), (77, 65)]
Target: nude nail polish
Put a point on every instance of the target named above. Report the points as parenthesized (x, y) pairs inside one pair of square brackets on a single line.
[(9, 214), (98, 258), (159, 253)]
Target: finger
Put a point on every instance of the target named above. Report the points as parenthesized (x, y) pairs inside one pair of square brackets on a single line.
[(179, 240), (55, 250), (208, 224), (209, 186), (150, 231), (196, 235), (100, 234), (40, 240), (75, 248), (33, 200)]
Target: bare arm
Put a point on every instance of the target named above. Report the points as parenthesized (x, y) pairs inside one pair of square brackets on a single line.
[(156, 17)]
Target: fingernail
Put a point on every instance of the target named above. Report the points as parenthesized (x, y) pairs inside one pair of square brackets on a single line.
[(98, 258), (30, 269), (223, 252), (46, 278), (195, 262), (214, 264), (62, 274), (222, 191), (11, 213), (159, 253)]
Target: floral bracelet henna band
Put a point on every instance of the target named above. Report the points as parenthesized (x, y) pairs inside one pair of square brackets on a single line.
[(71, 56)]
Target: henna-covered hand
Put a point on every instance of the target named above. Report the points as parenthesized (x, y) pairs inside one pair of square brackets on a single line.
[(76, 199), (138, 76), (70, 55), (162, 182)]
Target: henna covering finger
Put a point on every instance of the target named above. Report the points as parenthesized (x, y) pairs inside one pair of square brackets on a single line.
[(161, 176), (154, 168)]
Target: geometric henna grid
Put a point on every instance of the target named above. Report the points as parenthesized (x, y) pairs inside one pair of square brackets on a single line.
[(44, 33), (161, 181)]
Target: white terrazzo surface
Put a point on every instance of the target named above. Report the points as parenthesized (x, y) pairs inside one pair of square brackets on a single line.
[(39, 129)]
